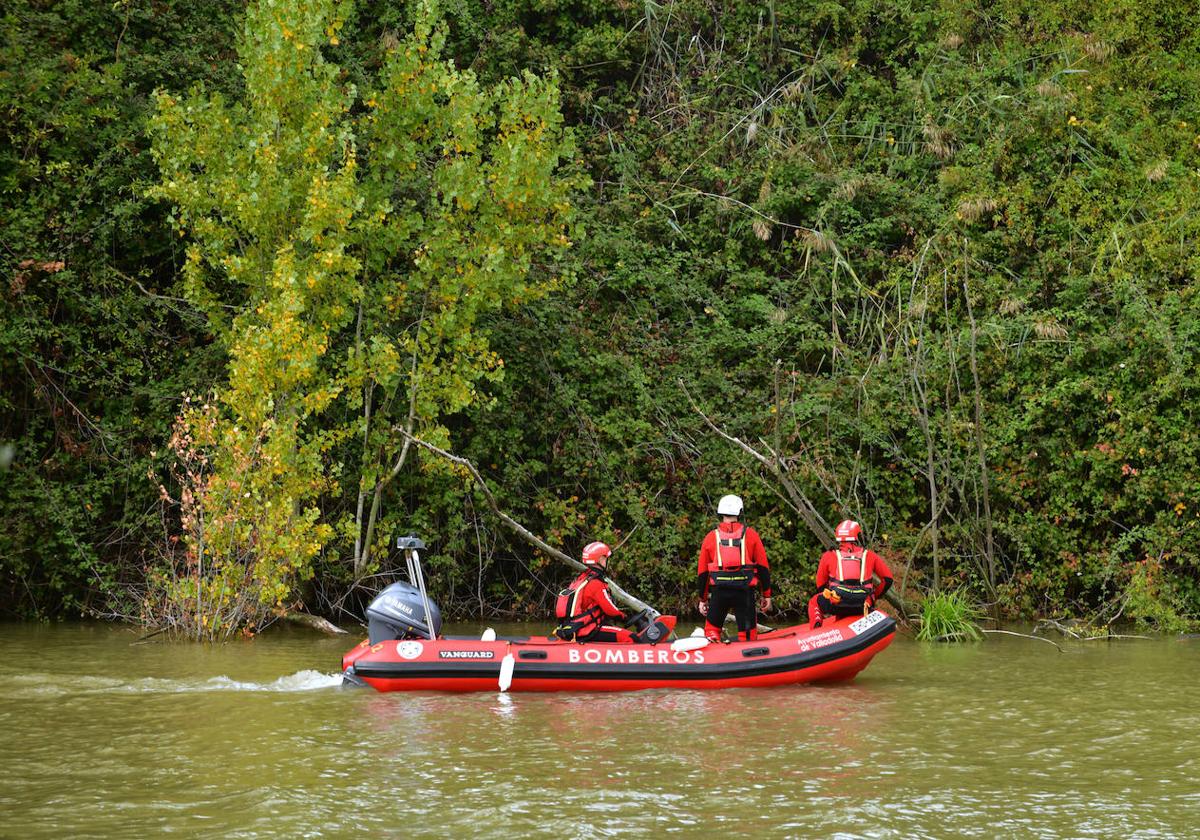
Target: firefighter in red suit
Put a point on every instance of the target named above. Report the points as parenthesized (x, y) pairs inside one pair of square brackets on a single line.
[(732, 567), (846, 578), (585, 608)]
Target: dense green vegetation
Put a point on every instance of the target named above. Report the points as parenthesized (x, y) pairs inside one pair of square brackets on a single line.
[(936, 264)]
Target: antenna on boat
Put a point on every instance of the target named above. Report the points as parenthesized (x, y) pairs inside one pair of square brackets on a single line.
[(412, 547)]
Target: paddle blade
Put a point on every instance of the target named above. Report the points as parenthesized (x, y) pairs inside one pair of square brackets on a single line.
[(506, 671), (689, 643)]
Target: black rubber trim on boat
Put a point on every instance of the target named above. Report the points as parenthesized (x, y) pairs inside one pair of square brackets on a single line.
[(584, 671)]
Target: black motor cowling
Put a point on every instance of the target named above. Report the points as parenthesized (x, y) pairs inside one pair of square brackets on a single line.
[(398, 613)]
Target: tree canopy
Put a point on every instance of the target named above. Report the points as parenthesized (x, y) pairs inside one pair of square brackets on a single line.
[(935, 265)]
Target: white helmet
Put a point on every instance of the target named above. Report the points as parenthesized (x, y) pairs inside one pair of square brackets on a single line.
[(729, 506)]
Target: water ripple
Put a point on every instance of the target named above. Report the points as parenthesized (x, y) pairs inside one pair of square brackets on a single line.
[(41, 685), (979, 741)]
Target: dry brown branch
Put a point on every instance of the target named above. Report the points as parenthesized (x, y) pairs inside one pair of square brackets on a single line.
[(1049, 623), (314, 622), (516, 527), (1026, 636), (778, 468)]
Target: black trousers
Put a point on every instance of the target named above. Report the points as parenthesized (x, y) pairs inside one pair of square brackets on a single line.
[(830, 609), (721, 600)]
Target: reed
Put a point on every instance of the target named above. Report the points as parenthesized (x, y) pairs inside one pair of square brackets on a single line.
[(949, 616)]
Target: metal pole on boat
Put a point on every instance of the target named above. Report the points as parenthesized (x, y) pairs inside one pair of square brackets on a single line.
[(412, 547)]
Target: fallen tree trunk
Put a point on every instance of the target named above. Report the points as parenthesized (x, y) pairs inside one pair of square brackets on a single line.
[(777, 466), (314, 622), (531, 538), (523, 532)]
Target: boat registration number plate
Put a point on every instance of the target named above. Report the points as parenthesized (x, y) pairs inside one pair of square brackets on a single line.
[(867, 622)]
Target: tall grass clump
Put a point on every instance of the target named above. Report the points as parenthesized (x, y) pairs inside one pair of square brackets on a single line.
[(949, 616)]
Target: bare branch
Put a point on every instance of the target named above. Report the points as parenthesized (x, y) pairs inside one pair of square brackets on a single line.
[(519, 529), (314, 622), (1027, 636), (778, 468)]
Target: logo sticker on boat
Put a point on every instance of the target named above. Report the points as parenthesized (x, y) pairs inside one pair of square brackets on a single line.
[(829, 637), (466, 654), (409, 649), (867, 621)]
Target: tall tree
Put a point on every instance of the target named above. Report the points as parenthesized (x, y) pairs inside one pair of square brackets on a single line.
[(328, 273), (466, 214)]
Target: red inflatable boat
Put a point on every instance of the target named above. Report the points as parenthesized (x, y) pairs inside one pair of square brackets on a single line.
[(834, 652)]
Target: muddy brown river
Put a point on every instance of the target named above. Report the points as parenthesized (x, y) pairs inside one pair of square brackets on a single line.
[(101, 737)]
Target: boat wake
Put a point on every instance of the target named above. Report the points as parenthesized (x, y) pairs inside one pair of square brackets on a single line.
[(299, 681), (47, 684)]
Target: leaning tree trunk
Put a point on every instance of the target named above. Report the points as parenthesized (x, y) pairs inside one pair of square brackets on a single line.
[(778, 468), (520, 530)]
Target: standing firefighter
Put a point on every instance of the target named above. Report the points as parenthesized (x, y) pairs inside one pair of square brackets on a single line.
[(845, 578), (733, 565), (583, 608)]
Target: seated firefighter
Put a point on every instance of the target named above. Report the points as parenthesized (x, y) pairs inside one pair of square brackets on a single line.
[(846, 578), (585, 608)]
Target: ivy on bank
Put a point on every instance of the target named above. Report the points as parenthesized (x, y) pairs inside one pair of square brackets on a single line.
[(941, 258)]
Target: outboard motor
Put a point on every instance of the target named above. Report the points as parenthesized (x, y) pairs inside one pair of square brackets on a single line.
[(404, 609), (401, 611), (398, 612)]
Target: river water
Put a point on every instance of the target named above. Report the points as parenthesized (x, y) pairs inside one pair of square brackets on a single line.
[(102, 737)]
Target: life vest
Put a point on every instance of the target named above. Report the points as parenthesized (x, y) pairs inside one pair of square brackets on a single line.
[(852, 588), (574, 623), (727, 568)]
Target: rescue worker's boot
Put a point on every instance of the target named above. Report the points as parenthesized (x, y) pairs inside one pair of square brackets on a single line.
[(712, 632)]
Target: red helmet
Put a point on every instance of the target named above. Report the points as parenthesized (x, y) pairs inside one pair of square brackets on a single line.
[(596, 554), (848, 531)]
